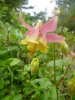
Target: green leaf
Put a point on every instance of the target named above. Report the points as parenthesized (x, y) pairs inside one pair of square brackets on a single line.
[(53, 93), (14, 61), (59, 63), (1, 83), (44, 83), (10, 48), (7, 97), (16, 97)]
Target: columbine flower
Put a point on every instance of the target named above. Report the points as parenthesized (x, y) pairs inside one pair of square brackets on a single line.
[(37, 37)]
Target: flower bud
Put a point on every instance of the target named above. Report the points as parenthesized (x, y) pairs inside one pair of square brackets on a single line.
[(71, 86), (64, 48), (34, 66)]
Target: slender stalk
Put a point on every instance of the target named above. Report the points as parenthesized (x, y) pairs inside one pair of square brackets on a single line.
[(55, 75), (11, 73), (62, 78), (62, 66)]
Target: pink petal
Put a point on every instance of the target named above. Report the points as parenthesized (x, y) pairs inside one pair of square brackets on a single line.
[(33, 30), (50, 26), (24, 23), (32, 36), (54, 38), (36, 30), (28, 33)]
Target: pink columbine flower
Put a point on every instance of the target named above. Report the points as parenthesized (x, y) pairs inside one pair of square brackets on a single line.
[(37, 37)]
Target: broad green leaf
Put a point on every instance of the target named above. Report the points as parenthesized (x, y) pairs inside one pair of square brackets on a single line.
[(16, 97), (15, 61), (44, 83), (10, 48), (59, 63), (7, 97), (1, 83), (53, 93)]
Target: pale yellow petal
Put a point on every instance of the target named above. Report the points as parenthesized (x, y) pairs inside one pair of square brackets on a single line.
[(32, 39), (32, 47), (24, 42), (42, 48), (43, 42)]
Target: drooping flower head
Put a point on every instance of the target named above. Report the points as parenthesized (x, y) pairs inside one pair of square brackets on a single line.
[(37, 37)]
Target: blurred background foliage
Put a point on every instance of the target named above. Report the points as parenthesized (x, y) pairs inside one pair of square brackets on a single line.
[(16, 81), (9, 9), (66, 26), (67, 14)]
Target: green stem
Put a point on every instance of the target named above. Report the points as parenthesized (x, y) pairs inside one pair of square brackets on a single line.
[(55, 75), (62, 78), (11, 73), (62, 66)]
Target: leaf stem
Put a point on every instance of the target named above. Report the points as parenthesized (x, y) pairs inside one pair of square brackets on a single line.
[(11, 73), (55, 75)]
